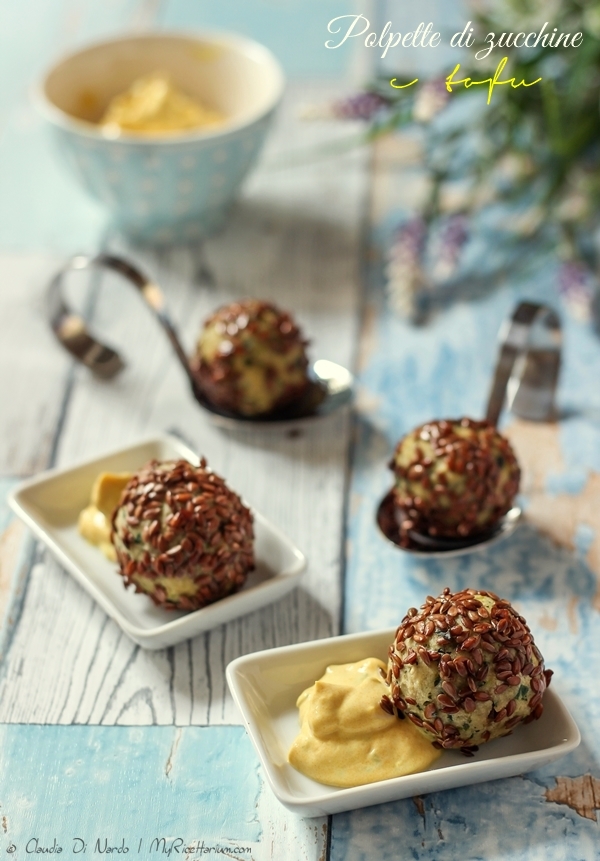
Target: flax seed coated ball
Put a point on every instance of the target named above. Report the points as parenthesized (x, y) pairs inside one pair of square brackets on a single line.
[(465, 669), (454, 478), (181, 536), (251, 359)]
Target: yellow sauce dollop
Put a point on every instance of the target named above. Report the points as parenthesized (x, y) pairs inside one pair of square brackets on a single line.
[(153, 105), (94, 520), (346, 739)]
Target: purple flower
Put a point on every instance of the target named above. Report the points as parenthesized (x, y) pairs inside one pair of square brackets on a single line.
[(448, 247), (404, 271), (361, 106), (577, 285)]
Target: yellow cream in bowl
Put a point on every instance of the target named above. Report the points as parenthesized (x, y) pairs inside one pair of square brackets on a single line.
[(94, 521), (154, 105), (347, 739)]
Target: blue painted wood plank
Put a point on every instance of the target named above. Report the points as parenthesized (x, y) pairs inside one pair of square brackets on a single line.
[(508, 819), (128, 787), (438, 371)]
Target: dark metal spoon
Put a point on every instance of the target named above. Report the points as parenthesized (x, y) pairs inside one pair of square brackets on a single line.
[(388, 520), (331, 385), (526, 377)]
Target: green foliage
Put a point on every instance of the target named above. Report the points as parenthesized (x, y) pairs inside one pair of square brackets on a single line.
[(553, 126)]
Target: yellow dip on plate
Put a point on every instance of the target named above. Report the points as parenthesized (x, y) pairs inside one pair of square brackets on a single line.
[(347, 739), (94, 521), (154, 105)]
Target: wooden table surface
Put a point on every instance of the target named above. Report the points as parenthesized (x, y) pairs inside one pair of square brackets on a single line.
[(104, 745)]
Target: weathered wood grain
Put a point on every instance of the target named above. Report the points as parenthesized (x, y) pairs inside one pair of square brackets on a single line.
[(279, 246), (16, 553), (129, 787), (296, 237), (149, 790), (581, 794), (34, 375), (409, 375)]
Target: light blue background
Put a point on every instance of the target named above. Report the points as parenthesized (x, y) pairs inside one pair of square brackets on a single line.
[(60, 782)]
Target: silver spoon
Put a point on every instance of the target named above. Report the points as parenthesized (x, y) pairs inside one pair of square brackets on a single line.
[(526, 378), (331, 385), (389, 518)]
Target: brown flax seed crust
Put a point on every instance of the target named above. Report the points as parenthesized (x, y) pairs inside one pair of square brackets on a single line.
[(465, 669), (250, 343), (182, 536), (454, 478)]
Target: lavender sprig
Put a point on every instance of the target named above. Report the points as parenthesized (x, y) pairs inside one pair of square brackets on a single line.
[(361, 106), (448, 247), (577, 285), (365, 105), (404, 269)]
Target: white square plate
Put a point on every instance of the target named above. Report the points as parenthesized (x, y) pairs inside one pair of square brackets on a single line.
[(50, 504), (265, 686)]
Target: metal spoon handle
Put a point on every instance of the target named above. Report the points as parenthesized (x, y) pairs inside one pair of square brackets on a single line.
[(71, 330), (526, 374)]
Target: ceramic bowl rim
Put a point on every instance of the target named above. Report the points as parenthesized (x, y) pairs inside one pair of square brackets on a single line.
[(237, 42)]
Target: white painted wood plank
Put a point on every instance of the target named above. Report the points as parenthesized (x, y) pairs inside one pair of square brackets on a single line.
[(68, 663), (287, 835), (33, 372), (295, 238)]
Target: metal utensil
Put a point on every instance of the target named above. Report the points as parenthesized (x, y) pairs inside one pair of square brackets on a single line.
[(430, 547), (525, 378), (528, 365), (331, 385)]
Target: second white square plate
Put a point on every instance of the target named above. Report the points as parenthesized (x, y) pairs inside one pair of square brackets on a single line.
[(266, 685), (50, 504)]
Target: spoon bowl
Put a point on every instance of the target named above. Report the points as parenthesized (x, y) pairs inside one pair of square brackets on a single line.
[(389, 519), (331, 387), (525, 378)]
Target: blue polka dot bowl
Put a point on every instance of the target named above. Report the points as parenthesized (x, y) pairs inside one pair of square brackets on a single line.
[(175, 186)]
